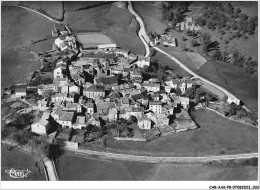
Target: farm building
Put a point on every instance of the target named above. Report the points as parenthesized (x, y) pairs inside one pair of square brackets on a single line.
[(95, 40)]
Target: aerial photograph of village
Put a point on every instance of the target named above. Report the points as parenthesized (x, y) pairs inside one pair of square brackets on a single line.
[(129, 91)]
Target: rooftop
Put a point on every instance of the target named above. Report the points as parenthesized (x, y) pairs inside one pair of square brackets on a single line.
[(66, 116)]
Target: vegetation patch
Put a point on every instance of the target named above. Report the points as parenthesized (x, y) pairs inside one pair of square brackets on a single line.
[(233, 79)]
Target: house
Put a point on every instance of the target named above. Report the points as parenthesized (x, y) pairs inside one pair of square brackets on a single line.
[(59, 97), (59, 82), (42, 126), (74, 88), (151, 87), (89, 107), (155, 106), (73, 107), (135, 111), (94, 91), (58, 42), (20, 91), (112, 114), (144, 122), (117, 69), (167, 109), (121, 52), (81, 122), (103, 107), (56, 112), (168, 89), (60, 70), (94, 121), (181, 100), (143, 61), (108, 82), (107, 47), (160, 120), (233, 100), (42, 105), (42, 88), (174, 83), (66, 118)]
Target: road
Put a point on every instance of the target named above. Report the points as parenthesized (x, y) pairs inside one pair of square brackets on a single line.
[(141, 33), (153, 159), (145, 37)]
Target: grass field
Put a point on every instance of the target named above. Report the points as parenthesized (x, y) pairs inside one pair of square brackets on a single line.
[(192, 60), (235, 80), (19, 29), (123, 29), (152, 16), (52, 8), (84, 20), (167, 61), (93, 169), (248, 7), (216, 134), (71, 6), (19, 161)]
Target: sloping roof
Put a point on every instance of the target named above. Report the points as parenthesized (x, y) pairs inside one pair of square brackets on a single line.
[(105, 105), (155, 103), (81, 120), (58, 110), (107, 80), (66, 116), (44, 119), (144, 118), (95, 88)]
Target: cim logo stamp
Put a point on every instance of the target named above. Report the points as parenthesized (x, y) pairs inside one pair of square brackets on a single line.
[(18, 173)]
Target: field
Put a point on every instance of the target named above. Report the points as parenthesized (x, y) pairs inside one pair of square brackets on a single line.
[(93, 169), (19, 29), (167, 61), (192, 60), (121, 29), (19, 161), (216, 135), (152, 16), (248, 7), (234, 79), (71, 6)]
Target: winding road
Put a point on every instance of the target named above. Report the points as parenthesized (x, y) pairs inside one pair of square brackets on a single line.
[(144, 36), (161, 159)]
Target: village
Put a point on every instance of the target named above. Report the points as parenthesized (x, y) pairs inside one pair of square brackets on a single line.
[(96, 89)]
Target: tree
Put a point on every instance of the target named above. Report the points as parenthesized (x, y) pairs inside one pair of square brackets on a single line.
[(190, 92), (210, 25), (237, 10), (206, 41), (193, 43), (234, 26), (48, 94), (238, 34)]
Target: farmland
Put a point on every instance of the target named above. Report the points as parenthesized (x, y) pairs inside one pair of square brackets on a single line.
[(19, 161), (92, 169), (234, 79), (212, 138)]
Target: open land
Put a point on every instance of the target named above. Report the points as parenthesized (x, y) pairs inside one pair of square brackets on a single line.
[(92, 169), (121, 29), (19, 30), (152, 15), (234, 79), (167, 61), (19, 161), (216, 134)]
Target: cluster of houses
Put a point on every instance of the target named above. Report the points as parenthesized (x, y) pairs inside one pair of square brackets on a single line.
[(166, 39), (103, 87)]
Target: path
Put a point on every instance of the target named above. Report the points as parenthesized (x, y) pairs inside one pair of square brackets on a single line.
[(144, 35), (154, 159)]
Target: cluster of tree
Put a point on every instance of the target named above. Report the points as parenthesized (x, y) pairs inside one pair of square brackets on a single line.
[(221, 15), (40, 80), (233, 108), (236, 58), (173, 11), (207, 44), (155, 70), (198, 94)]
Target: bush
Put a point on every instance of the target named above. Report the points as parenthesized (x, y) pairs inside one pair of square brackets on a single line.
[(238, 35)]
